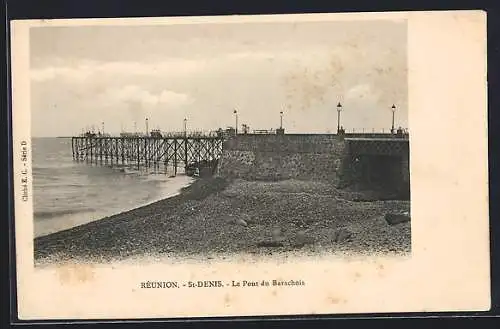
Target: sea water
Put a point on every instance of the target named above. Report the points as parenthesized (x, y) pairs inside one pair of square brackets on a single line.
[(67, 193)]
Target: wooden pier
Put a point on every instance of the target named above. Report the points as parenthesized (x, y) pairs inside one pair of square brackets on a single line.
[(147, 151)]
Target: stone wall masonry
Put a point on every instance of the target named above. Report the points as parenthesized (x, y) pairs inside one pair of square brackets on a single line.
[(276, 157), (405, 168)]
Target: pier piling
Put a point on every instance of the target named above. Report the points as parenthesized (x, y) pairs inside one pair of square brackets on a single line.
[(146, 152)]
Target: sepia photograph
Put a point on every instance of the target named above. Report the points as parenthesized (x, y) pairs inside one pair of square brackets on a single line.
[(188, 139), (243, 158)]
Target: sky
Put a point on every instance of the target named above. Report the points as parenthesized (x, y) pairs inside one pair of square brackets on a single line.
[(82, 76)]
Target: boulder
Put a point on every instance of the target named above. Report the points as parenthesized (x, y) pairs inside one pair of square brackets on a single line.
[(394, 219), (269, 243), (248, 219), (342, 235), (301, 239), (241, 222), (277, 234)]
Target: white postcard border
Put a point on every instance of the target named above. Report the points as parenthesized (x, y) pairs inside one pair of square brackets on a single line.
[(449, 268)]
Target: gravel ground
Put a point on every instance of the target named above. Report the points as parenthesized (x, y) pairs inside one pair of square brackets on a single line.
[(215, 216)]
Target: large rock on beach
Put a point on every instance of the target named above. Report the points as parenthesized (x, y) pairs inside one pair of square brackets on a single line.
[(241, 222), (270, 243), (342, 235), (394, 219), (301, 239)]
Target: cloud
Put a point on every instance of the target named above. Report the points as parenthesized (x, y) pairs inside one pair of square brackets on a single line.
[(52, 73), (81, 70), (84, 70), (135, 94), (361, 92)]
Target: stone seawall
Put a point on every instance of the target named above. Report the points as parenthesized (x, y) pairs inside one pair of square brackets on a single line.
[(275, 157)]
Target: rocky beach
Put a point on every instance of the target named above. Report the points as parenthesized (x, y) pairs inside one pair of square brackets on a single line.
[(217, 216)]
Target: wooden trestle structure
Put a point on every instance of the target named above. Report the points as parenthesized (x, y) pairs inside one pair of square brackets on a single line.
[(146, 152)]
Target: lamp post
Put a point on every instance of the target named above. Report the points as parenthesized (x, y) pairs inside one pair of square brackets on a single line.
[(339, 109), (236, 118), (281, 119), (147, 132), (185, 127), (102, 123), (393, 108)]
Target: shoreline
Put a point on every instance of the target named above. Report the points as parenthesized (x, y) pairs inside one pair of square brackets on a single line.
[(164, 204), (166, 192), (214, 216)]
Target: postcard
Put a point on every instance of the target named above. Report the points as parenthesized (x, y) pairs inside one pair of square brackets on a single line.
[(188, 167)]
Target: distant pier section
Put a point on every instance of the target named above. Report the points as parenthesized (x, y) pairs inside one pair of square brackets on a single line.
[(152, 150)]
